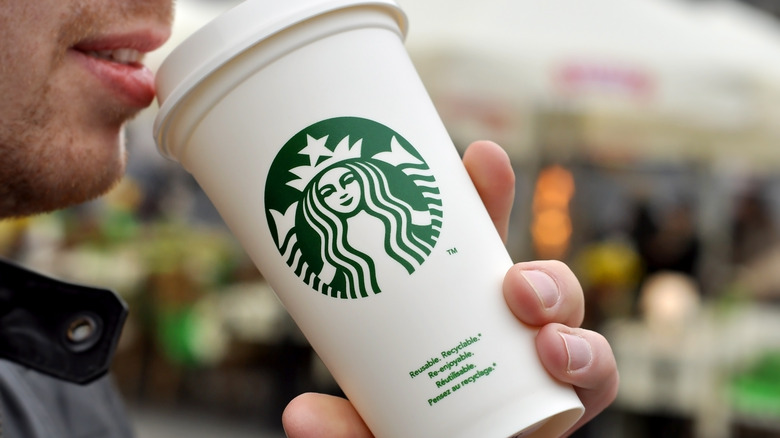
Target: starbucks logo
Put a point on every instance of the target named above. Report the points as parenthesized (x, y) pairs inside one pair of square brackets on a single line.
[(351, 204)]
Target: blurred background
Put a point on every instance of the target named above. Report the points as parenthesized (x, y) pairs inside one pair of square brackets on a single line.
[(644, 135)]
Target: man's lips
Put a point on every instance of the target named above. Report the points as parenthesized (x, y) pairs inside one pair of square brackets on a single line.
[(116, 62), (133, 83)]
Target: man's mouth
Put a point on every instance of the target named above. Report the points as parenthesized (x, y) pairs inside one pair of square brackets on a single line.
[(121, 56), (116, 61)]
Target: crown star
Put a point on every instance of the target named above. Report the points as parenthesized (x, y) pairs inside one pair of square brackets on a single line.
[(316, 150)]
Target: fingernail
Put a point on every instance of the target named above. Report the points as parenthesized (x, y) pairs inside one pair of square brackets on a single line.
[(580, 354), (544, 286)]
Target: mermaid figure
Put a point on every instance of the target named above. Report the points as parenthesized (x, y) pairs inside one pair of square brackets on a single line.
[(341, 194)]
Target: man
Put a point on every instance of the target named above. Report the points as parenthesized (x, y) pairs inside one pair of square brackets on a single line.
[(70, 77)]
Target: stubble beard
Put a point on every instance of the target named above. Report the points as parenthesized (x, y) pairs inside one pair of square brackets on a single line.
[(44, 168)]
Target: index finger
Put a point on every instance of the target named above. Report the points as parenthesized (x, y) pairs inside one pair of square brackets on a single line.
[(492, 174)]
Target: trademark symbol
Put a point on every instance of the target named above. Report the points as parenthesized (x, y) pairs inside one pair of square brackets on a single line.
[(452, 251)]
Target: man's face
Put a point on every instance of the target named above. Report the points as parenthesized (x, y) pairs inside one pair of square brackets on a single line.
[(70, 77)]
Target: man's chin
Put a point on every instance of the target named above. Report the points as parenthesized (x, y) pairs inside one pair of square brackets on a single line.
[(60, 193), (14, 208)]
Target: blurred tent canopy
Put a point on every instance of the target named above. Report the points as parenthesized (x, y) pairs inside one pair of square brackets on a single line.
[(751, 39), (622, 79)]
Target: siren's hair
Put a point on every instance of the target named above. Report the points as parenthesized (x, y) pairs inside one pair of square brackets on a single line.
[(400, 241)]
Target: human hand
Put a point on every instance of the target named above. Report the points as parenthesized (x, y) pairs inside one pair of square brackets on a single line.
[(544, 294)]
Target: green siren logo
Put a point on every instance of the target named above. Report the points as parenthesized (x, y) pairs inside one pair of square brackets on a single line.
[(350, 204)]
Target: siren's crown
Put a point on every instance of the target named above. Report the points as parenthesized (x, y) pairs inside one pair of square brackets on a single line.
[(320, 158)]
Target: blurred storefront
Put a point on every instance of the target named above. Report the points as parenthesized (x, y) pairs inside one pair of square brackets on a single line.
[(649, 162)]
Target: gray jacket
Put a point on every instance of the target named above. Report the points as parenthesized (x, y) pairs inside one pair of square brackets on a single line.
[(56, 344), (34, 405)]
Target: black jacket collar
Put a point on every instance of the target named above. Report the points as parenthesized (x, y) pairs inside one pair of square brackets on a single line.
[(61, 329)]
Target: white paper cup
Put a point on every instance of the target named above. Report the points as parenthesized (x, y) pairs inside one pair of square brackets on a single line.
[(307, 126)]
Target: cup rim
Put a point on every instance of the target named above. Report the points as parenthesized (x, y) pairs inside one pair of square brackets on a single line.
[(218, 42)]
